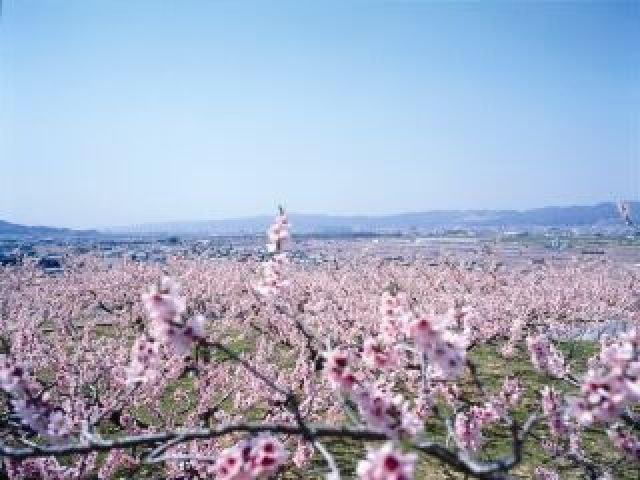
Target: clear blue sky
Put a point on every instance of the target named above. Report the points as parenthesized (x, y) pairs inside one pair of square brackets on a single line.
[(120, 112)]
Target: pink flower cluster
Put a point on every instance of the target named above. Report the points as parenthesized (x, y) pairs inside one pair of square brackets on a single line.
[(468, 425), (30, 404), (273, 281), (545, 356), (387, 464), (613, 384), (145, 361), (259, 457), (556, 411), (379, 355), (278, 233), (445, 349), (378, 409), (508, 350), (340, 375), (165, 305), (387, 413), (510, 393)]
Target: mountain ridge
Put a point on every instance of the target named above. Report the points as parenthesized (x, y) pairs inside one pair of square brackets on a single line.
[(10, 228), (601, 214)]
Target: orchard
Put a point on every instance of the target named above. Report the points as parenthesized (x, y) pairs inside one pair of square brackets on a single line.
[(358, 368)]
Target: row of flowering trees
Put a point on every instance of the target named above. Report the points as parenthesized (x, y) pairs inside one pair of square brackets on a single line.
[(246, 375)]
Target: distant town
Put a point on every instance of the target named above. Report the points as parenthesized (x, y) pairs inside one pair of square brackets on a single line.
[(527, 246)]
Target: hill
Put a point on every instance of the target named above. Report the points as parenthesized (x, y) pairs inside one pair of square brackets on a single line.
[(600, 215), (8, 228)]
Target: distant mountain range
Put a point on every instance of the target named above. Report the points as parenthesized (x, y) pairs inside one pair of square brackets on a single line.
[(7, 228), (600, 215)]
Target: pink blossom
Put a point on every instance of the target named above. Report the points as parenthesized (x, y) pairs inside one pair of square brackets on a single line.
[(545, 357), (508, 350), (260, 457), (303, 454), (145, 361), (511, 392), (32, 407), (338, 372), (163, 302), (555, 409), (267, 455), (445, 350), (468, 433), (381, 356), (387, 464), (273, 281), (278, 233), (183, 338), (386, 413), (60, 424), (230, 465), (603, 399)]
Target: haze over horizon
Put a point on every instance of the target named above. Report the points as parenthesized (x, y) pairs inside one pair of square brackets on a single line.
[(455, 216), (121, 113)]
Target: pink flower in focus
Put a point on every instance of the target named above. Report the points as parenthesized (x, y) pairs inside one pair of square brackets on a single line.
[(612, 383), (259, 457), (386, 413), (387, 464), (230, 465), (338, 372), (267, 456)]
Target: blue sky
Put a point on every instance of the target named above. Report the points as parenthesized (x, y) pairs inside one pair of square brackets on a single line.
[(119, 112)]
